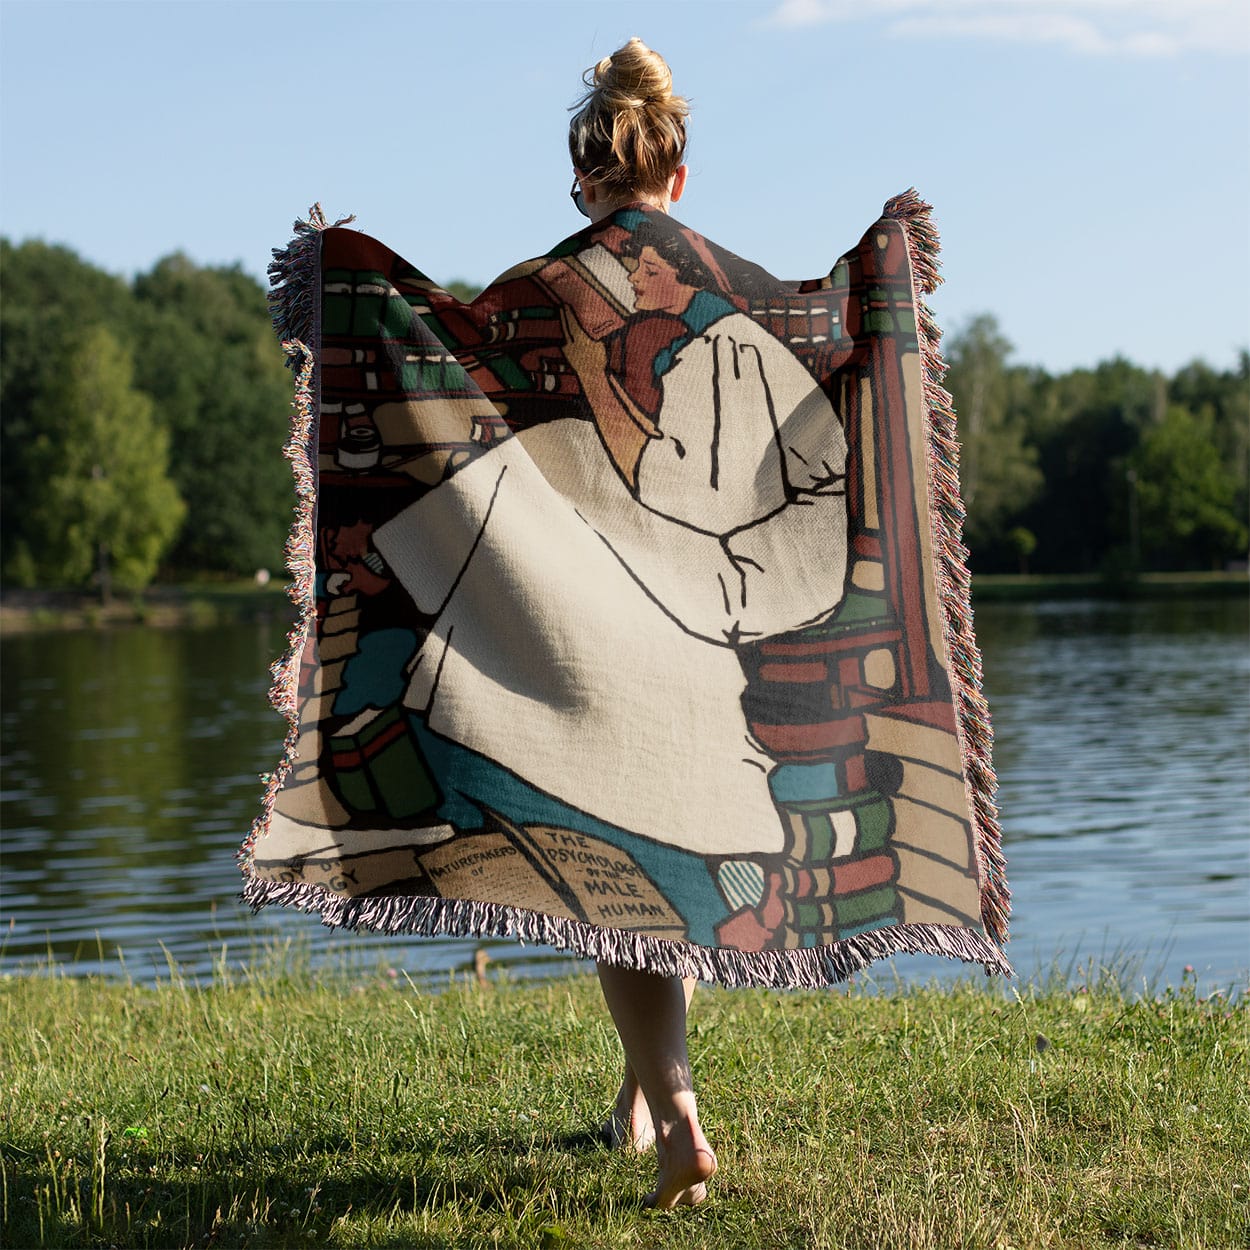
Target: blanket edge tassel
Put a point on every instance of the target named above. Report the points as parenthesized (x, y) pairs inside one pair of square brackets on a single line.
[(294, 304), (791, 968), (976, 735)]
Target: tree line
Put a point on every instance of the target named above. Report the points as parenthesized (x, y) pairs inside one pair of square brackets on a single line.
[(1114, 470), (143, 420)]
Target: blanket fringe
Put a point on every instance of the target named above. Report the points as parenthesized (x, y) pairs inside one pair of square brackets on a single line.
[(295, 304), (805, 968), (294, 279), (976, 736)]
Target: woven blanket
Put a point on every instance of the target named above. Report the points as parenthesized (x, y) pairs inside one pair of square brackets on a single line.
[(634, 618)]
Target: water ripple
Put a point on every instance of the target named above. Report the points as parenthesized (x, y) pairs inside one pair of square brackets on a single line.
[(1121, 735)]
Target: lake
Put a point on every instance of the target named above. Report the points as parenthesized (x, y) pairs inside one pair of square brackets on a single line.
[(130, 774)]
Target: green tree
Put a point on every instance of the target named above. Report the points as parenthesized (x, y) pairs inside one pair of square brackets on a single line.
[(1186, 495), (997, 466), (50, 293), (1086, 423), (465, 292), (1024, 543), (1223, 399), (103, 504), (210, 355)]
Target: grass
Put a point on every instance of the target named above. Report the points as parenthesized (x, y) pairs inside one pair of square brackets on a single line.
[(292, 1109)]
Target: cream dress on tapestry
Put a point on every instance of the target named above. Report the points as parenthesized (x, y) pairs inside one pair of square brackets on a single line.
[(585, 634)]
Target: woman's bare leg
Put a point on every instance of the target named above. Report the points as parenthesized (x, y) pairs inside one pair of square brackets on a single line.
[(629, 1125), (650, 1015)]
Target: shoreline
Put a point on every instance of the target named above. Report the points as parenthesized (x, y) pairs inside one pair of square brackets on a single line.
[(1121, 976), (173, 606), (201, 604), (1025, 587)]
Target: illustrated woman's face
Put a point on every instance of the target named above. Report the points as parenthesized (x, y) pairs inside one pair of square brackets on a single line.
[(656, 285)]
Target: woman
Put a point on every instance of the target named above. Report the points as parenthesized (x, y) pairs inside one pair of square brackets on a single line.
[(585, 586), (723, 474), (543, 713), (627, 142)]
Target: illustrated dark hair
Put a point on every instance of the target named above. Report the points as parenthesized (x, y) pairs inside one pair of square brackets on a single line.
[(672, 246), (629, 131)]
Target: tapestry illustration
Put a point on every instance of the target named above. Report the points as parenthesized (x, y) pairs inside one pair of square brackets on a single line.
[(634, 618)]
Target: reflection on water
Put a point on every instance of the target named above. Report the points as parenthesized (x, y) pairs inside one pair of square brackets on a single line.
[(130, 764), (1122, 742)]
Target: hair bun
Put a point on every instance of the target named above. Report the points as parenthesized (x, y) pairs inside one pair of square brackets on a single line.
[(634, 76), (629, 131)]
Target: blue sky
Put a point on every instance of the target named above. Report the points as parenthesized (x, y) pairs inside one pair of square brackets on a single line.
[(1089, 160)]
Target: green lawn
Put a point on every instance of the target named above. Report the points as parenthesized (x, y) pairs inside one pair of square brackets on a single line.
[(355, 1110)]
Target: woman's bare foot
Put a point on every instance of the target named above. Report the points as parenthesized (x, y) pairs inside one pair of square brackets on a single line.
[(629, 1125), (686, 1165), (649, 1012)]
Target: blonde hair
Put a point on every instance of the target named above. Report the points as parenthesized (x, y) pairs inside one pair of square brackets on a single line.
[(629, 131)]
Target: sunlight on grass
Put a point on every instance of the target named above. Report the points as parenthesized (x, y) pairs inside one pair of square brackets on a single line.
[(277, 1107)]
